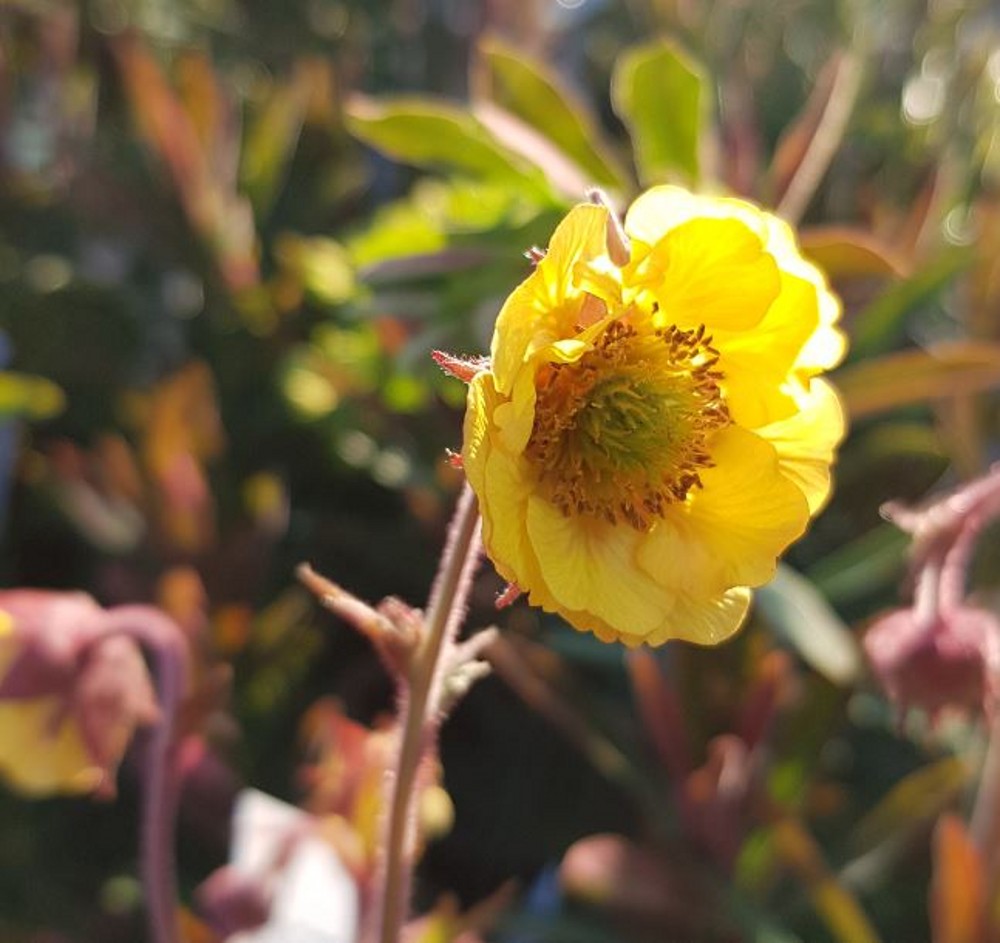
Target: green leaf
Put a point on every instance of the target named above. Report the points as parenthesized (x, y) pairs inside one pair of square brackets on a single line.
[(881, 324), (911, 803), (436, 135), (806, 621), (528, 89), (271, 141), (321, 265), (856, 570), (659, 93), (29, 396)]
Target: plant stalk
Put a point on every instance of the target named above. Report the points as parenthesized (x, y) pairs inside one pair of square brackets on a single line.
[(165, 641), (421, 715)]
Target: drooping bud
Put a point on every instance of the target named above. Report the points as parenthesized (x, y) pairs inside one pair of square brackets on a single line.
[(952, 663), (72, 693)]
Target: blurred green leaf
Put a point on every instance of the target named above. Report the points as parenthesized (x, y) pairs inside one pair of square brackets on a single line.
[(397, 230), (798, 613), (405, 393), (911, 803), (29, 396), (914, 377), (843, 915), (882, 323), (271, 139), (529, 90), (323, 266), (432, 134), (857, 569), (660, 95)]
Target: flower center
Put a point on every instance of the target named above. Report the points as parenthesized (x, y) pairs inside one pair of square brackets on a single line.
[(623, 432)]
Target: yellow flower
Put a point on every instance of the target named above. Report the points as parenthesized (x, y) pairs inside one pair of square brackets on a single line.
[(651, 432)]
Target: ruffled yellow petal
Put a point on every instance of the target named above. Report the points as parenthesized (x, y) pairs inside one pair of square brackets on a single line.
[(703, 621), (498, 479), (826, 346), (544, 307), (756, 364), (589, 565), (683, 271), (807, 440), (730, 532), (662, 209)]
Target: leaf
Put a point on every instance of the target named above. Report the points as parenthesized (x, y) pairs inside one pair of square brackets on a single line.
[(433, 134), (915, 377), (661, 712), (843, 914), (563, 174), (855, 570), (271, 140), (913, 801), (845, 252), (881, 324), (659, 93), (806, 621), (29, 396), (527, 88), (958, 889), (321, 265), (810, 143)]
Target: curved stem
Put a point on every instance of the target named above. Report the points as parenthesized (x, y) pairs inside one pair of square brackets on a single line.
[(420, 713), (165, 641)]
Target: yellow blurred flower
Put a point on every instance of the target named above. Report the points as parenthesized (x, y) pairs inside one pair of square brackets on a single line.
[(651, 432)]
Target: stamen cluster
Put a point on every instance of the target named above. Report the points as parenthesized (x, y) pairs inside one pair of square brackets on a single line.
[(623, 432)]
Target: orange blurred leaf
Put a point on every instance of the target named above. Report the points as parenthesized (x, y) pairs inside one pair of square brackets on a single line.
[(845, 252), (958, 888), (914, 377), (809, 143)]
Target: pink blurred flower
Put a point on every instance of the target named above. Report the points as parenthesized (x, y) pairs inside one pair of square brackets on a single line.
[(953, 662), (72, 693), (941, 652)]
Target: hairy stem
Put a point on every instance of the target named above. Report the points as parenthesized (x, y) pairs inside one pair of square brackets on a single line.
[(420, 714)]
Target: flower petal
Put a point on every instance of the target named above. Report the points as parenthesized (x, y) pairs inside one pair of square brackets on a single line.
[(730, 532), (756, 364), (543, 308), (708, 271), (704, 621), (807, 440), (589, 566), (662, 209)]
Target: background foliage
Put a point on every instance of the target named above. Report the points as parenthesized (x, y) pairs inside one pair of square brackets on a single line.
[(230, 235)]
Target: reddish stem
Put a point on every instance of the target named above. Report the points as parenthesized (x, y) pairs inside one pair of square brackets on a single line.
[(165, 641), (420, 717)]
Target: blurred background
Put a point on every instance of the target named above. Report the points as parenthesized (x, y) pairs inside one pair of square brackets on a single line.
[(232, 231)]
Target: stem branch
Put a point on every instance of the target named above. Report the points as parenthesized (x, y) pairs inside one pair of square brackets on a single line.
[(420, 713)]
